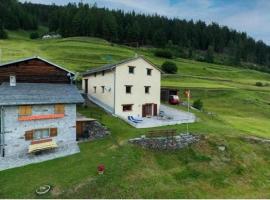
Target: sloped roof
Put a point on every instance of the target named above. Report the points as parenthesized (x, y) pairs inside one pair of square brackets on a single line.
[(38, 93), (112, 66), (38, 58)]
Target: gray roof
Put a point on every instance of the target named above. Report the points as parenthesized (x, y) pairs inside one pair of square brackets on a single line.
[(112, 66), (39, 58), (38, 93)]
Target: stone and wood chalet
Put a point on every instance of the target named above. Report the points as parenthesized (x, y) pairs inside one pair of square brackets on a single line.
[(127, 88), (37, 107)]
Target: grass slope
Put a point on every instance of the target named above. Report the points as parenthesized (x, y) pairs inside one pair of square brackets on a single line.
[(200, 171)]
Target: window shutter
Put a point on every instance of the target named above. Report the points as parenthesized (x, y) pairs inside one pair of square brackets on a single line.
[(29, 135), (25, 110), (59, 109), (53, 132)]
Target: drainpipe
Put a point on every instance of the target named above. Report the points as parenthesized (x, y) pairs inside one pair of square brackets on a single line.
[(2, 135), (114, 89)]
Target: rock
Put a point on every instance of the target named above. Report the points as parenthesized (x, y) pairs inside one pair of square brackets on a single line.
[(221, 148)]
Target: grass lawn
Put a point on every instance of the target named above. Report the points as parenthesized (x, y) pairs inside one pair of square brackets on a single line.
[(201, 171)]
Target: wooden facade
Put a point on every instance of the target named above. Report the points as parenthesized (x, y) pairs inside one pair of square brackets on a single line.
[(33, 70)]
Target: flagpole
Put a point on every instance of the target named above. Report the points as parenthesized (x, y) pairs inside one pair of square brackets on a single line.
[(188, 111)]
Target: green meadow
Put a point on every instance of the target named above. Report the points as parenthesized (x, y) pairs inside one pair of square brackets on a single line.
[(234, 108)]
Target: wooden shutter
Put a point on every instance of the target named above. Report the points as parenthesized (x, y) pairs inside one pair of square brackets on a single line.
[(25, 110), (29, 135), (59, 109), (53, 132)]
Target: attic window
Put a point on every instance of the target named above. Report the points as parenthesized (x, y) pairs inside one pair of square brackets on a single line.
[(149, 71), (103, 72), (131, 69), (95, 74)]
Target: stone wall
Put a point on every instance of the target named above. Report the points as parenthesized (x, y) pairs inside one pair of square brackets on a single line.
[(16, 145), (165, 143)]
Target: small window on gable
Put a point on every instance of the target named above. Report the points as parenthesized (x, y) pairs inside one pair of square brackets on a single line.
[(95, 74), (103, 72), (149, 71), (131, 69), (128, 89), (127, 107), (103, 89), (95, 89), (25, 110), (59, 109), (147, 89)]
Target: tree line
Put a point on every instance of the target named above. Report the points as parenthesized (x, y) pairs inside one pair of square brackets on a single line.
[(181, 36)]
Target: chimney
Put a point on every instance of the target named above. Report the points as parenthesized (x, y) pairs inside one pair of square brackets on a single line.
[(12, 80)]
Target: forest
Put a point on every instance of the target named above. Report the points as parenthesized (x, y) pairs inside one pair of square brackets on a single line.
[(188, 39)]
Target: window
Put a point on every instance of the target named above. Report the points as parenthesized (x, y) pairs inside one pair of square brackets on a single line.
[(103, 72), (95, 74), (95, 89), (103, 89), (59, 109), (128, 89), (25, 110), (147, 89), (131, 69), (41, 134), (149, 72), (127, 107)]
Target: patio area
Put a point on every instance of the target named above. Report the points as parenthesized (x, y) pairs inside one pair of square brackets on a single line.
[(171, 117)]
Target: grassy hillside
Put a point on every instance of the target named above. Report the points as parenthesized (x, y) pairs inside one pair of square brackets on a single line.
[(240, 108)]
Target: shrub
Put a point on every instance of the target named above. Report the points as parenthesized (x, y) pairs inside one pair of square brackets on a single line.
[(164, 54), (259, 84), (3, 33), (169, 67), (198, 104), (34, 35)]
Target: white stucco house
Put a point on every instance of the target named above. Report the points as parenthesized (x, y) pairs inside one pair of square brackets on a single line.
[(127, 88)]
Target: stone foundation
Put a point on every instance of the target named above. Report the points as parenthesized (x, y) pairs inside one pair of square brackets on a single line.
[(22, 159)]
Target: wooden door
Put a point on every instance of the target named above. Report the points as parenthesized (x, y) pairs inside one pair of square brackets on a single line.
[(147, 110), (155, 109), (79, 129), (85, 86)]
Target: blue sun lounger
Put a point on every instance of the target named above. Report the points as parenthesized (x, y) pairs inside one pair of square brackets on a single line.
[(132, 119)]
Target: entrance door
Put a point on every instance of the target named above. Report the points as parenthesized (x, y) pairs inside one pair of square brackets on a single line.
[(155, 109), (85, 86), (79, 129), (147, 110)]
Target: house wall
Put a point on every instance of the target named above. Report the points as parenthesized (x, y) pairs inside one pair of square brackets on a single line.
[(15, 130), (138, 80), (107, 80)]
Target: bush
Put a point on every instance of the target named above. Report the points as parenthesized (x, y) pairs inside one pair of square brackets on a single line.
[(259, 84), (198, 104), (3, 33), (34, 35), (164, 54), (169, 67)]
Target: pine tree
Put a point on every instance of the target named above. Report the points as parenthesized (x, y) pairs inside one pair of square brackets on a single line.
[(210, 54)]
